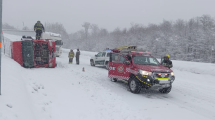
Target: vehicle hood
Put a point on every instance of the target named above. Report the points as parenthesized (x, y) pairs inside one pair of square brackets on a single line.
[(153, 68)]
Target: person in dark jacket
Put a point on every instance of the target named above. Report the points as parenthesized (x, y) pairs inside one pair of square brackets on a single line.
[(166, 62), (77, 56), (38, 28), (71, 56)]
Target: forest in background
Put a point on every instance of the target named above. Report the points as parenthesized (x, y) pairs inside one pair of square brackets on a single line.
[(191, 40)]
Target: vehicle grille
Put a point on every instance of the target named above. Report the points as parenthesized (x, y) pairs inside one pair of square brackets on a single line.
[(161, 75)]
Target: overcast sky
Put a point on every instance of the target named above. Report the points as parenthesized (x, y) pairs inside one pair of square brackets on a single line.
[(107, 14)]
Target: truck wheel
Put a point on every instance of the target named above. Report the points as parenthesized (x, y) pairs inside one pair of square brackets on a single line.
[(107, 65), (165, 90), (134, 85), (92, 63), (113, 79)]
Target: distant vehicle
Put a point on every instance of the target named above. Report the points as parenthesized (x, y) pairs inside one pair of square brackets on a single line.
[(102, 59), (31, 53), (58, 41), (140, 70)]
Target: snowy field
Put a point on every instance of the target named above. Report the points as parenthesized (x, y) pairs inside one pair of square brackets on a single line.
[(68, 93)]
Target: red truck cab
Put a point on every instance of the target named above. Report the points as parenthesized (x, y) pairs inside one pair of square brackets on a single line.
[(31, 53), (140, 70)]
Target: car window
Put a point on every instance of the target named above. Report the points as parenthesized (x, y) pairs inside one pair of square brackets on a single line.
[(122, 59), (99, 54), (108, 54), (103, 54), (115, 57), (152, 61), (145, 60), (162, 59)]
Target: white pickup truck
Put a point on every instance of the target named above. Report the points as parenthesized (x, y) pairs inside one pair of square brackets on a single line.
[(101, 59)]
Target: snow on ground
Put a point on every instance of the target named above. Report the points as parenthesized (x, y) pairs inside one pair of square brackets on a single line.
[(66, 93), (195, 67), (12, 37)]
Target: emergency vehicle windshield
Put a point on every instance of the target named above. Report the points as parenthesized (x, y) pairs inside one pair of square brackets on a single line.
[(145, 60)]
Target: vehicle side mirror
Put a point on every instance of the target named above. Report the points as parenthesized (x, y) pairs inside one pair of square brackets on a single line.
[(95, 55), (127, 62)]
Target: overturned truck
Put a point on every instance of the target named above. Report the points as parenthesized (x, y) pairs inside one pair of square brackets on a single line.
[(31, 53)]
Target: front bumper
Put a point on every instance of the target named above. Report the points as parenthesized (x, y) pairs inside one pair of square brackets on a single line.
[(154, 82)]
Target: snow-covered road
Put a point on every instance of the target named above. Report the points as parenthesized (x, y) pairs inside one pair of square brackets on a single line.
[(68, 93)]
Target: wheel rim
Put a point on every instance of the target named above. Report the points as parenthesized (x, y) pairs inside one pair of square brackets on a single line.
[(91, 63), (133, 85)]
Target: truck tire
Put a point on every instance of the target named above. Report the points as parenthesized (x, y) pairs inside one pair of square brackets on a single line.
[(107, 65), (92, 63), (113, 79), (166, 90), (134, 85)]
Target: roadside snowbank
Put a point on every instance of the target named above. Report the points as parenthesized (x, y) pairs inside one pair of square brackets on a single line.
[(15, 103), (195, 67), (12, 37)]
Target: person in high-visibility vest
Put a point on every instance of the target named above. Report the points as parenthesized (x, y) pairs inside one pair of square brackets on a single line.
[(166, 62), (38, 28), (71, 56)]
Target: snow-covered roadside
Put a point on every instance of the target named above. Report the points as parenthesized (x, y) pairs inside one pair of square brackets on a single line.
[(60, 93), (12, 37), (66, 92), (15, 103), (195, 67)]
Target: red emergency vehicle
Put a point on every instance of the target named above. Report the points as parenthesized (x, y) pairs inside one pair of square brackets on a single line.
[(140, 70), (31, 53)]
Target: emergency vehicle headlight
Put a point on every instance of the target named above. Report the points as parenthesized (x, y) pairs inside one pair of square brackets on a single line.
[(142, 72), (172, 74)]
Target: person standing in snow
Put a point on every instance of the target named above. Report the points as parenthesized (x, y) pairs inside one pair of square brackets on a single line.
[(77, 56), (71, 56), (38, 28), (166, 62)]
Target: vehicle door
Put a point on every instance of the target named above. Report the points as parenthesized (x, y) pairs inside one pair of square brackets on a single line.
[(118, 67), (100, 58)]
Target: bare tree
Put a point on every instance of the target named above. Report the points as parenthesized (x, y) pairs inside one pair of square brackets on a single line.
[(86, 26)]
